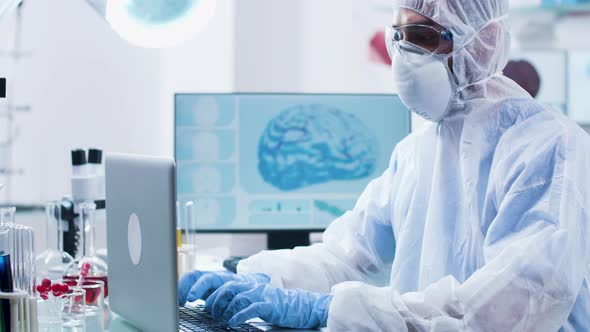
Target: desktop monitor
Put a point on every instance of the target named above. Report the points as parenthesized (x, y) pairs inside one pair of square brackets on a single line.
[(543, 71), (286, 164), (578, 83)]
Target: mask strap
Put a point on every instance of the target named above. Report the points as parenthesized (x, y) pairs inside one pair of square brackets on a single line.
[(483, 80)]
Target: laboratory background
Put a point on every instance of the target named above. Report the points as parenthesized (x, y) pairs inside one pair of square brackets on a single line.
[(212, 93)]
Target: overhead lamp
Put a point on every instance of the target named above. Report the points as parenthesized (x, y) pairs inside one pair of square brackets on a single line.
[(7, 6), (156, 23)]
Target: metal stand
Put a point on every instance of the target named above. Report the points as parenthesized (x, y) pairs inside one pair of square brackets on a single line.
[(8, 128), (287, 239)]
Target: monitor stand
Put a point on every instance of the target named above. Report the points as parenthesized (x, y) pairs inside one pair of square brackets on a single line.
[(287, 239)]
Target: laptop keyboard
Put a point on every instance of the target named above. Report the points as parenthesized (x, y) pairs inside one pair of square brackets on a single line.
[(199, 320)]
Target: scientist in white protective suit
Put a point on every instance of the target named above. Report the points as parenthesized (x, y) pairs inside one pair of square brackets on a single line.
[(480, 223)]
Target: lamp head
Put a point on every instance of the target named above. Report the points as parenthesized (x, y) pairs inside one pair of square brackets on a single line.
[(155, 23), (6, 6)]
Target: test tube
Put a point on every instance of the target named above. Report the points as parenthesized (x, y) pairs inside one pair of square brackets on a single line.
[(189, 223), (87, 213), (6, 285), (179, 239), (29, 260), (18, 242), (4, 239), (17, 257), (53, 231), (22, 264), (11, 246)]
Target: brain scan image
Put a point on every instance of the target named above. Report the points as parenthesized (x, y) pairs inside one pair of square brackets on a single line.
[(206, 180), (306, 145), (206, 112), (207, 211), (205, 147), (281, 161)]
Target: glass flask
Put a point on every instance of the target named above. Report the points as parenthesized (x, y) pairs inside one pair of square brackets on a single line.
[(98, 267), (52, 262)]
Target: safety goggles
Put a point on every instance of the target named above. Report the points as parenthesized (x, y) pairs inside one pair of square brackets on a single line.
[(428, 39)]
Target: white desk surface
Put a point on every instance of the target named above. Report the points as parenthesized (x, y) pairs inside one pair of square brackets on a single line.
[(120, 325), (204, 263)]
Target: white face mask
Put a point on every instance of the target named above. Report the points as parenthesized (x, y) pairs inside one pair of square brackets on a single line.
[(423, 83)]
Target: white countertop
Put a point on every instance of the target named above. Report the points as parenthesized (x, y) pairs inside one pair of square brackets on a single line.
[(204, 263)]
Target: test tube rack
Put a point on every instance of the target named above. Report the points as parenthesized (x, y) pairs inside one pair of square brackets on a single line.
[(23, 311)]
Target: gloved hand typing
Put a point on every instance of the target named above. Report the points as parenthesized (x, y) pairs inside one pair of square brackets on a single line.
[(198, 285), (236, 302)]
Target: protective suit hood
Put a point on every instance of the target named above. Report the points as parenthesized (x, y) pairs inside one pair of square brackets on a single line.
[(481, 43)]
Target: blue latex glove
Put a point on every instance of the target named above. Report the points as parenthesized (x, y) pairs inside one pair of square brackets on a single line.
[(198, 285), (236, 302)]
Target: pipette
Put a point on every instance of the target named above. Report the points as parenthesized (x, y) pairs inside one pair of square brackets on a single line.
[(83, 273)]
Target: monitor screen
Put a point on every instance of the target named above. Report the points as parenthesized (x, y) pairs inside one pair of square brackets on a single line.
[(263, 162), (578, 83), (542, 72)]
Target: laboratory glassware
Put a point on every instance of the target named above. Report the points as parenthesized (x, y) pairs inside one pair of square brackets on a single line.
[(7, 215), (186, 238), (64, 312), (96, 309), (53, 261), (98, 267)]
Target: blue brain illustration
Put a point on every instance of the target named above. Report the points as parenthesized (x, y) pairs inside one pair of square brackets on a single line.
[(312, 144)]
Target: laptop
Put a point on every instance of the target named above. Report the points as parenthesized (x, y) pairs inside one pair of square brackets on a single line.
[(141, 244)]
